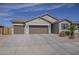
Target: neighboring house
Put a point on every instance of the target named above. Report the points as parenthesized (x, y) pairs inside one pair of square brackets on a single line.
[(5, 30), (44, 24)]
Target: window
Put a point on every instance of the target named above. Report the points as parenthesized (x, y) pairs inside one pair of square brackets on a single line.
[(64, 26)]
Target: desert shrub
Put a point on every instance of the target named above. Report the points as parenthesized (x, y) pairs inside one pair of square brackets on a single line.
[(62, 34), (67, 33), (72, 28)]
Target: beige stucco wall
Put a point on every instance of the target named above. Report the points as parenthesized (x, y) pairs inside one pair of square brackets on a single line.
[(66, 22), (38, 21)]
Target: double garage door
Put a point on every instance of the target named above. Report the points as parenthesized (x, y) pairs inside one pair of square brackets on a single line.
[(38, 29), (32, 29)]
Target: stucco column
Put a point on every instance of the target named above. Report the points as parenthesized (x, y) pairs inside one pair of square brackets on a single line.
[(59, 27), (49, 29), (26, 29)]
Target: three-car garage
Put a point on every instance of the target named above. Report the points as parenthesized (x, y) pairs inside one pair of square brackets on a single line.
[(33, 29)]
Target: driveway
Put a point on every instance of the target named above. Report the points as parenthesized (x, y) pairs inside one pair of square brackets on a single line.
[(34, 44)]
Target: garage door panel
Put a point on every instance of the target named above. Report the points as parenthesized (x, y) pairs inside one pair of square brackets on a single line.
[(18, 29), (38, 29)]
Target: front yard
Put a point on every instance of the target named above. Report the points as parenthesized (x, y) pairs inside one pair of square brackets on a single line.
[(38, 44)]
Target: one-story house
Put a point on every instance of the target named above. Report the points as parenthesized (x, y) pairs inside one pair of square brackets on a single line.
[(44, 24)]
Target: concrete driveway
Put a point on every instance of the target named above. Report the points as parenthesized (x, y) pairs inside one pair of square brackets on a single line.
[(42, 44)]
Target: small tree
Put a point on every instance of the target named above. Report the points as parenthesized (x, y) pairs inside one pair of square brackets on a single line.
[(72, 28)]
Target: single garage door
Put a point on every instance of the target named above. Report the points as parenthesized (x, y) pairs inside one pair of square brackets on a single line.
[(38, 29), (18, 29)]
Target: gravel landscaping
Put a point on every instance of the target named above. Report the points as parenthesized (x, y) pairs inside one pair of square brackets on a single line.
[(38, 44)]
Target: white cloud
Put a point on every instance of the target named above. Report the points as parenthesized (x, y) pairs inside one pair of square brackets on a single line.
[(43, 8), (27, 5), (19, 6), (70, 5), (52, 7), (33, 6), (2, 14), (5, 19), (5, 14)]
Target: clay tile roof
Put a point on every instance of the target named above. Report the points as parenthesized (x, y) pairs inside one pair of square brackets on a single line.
[(20, 20)]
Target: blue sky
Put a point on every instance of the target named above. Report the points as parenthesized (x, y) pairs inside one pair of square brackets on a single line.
[(9, 11)]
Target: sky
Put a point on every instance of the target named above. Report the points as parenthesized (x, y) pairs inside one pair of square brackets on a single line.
[(9, 11)]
